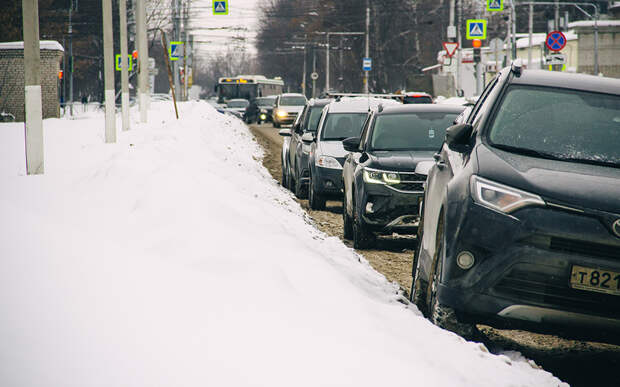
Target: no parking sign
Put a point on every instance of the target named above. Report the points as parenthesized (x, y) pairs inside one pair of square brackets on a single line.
[(555, 41)]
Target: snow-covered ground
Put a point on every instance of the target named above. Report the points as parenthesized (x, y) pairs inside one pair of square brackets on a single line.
[(172, 258)]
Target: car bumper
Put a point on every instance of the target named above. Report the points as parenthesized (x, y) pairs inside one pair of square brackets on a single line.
[(328, 181), (288, 120), (389, 210), (523, 268)]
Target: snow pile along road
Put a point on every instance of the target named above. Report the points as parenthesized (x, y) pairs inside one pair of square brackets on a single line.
[(172, 258)]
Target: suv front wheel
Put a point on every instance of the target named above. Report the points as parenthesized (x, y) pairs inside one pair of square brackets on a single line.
[(441, 315), (315, 199)]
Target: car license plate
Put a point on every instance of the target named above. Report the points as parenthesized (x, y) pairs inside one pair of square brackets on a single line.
[(595, 280)]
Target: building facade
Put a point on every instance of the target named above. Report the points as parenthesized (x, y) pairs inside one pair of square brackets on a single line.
[(12, 79)]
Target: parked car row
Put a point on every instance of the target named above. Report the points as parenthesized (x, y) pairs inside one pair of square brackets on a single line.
[(515, 200)]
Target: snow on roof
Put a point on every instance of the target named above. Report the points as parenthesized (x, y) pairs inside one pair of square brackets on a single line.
[(358, 104), (43, 44), (590, 23)]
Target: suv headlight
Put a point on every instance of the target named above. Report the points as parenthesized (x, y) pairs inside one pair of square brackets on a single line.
[(281, 113), (327, 162), (501, 197), (374, 176)]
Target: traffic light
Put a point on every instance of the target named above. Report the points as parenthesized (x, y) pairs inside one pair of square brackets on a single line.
[(477, 43), (60, 74), (134, 54)]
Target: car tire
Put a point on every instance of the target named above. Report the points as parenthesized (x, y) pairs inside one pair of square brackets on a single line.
[(291, 181), (417, 295), (284, 176), (300, 191), (441, 315), (315, 200), (362, 237), (347, 222)]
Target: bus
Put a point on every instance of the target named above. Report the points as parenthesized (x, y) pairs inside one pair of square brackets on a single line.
[(247, 87)]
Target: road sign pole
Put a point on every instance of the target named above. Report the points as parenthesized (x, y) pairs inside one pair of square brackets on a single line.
[(459, 53), (327, 63), (143, 57), (108, 65), (530, 33), (122, 11), (33, 124), (367, 51)]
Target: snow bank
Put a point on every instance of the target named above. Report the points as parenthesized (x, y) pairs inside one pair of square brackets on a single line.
[(172, 258)]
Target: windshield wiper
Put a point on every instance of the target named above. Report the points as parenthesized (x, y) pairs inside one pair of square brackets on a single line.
[(552, 156), (527, 152)]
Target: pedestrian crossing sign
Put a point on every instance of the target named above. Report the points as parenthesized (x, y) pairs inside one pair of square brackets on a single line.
[(175, 50), (129, 62), (220, 7), (495, 5), (476, 29)]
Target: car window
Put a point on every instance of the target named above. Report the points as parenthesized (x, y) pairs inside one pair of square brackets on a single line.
[(312, 118), (411, 131), (265, 102), (565, 124), (417, 99), (292, 101), (483, 98), (238, 104), (365, 132), (339, 126)]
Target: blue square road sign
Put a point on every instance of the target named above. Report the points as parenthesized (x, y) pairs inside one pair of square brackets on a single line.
[(220, 7)]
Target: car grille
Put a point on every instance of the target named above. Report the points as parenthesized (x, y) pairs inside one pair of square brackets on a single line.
[(585, 248), (410, 182), (529, 283)]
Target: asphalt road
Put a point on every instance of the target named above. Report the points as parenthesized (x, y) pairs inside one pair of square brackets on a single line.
[(579, 363)]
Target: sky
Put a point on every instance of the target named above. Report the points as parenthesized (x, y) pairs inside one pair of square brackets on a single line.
[(215, 33)]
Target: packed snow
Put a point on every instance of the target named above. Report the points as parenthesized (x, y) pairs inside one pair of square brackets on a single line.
[(172, 258)]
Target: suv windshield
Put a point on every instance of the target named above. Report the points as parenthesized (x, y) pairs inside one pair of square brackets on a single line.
[(559, 124), (411, 131), (339, 126), (292, 101), (312, 119), (237, 104), (265, 101)]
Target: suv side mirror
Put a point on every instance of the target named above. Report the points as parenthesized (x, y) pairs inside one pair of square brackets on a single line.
[(307, 138), (351, 144), (457, 136)]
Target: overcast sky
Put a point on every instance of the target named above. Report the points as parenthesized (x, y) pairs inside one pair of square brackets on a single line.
[(235, 30)]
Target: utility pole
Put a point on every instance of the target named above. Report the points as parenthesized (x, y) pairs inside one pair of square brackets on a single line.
[(303, 77), (143, 60), (175, 36), (530, 32), (185, 52), (367, 52), (122, 11), (327, 63), (70, 60), (32, 86), (459, 53), (341, 78), (314, 71), (108, 65)]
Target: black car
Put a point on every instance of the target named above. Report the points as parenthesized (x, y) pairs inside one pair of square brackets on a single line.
[(295, 153), (521, 219), (339, 120), (260, 110), (382, 189)]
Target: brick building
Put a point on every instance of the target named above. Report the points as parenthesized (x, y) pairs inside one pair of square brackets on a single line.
[(12, 78)]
